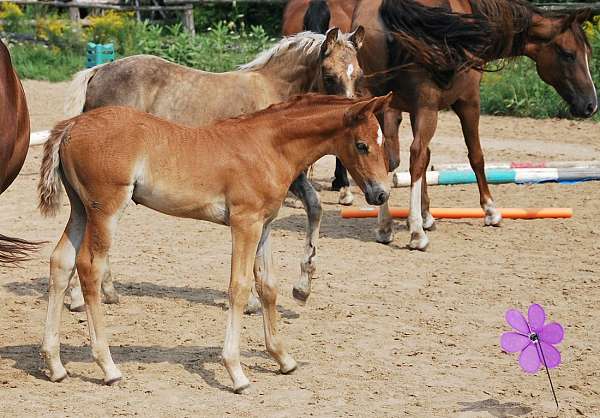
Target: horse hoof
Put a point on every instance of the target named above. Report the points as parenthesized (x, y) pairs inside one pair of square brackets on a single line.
[(384, 237), (418, 242), (77, 308), (290, 368), (493, 219), (243, 389), (300, 295), (346, 197), (429, 223), (114, 381), (60, 378)]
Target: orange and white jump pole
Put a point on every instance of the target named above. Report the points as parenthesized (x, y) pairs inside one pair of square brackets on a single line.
[(458, 213)]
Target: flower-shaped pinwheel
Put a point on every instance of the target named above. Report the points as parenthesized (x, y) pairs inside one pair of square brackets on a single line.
[(533, 339)]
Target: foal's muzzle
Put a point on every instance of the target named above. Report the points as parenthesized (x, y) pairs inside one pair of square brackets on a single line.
[(376, 193)]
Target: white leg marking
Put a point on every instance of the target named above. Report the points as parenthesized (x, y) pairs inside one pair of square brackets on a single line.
[(492, 215), (418, 238)]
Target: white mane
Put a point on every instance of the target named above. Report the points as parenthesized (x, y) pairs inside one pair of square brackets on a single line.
[(304, 46)]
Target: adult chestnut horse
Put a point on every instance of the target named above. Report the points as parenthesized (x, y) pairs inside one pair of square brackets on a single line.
[(110, 156), (318, 16), (306, 62), (14, 143), (463, 35)]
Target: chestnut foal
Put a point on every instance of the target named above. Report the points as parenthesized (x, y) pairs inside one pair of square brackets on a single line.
[(110, 156)]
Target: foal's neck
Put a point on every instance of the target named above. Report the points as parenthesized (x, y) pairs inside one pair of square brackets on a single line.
[(290, 80)]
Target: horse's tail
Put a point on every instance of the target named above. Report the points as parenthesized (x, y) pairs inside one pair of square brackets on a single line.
[(317, 16), (16, 250), (77, 91), (442, 41), (49, 189)]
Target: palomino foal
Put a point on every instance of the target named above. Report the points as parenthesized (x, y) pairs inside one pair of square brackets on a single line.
[(108, 157)]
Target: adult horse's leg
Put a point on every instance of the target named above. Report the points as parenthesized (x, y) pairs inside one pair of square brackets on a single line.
[(266, 285), (304, 190), (428, 220), (342, 184), (468, 112), (62, 268), (424, 122), (384, 233), (246, 231)]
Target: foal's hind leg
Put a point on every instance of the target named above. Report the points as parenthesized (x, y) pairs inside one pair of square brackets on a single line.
[(92, 266), (62, 267), (266, 285), (108, 289), (304, 190)]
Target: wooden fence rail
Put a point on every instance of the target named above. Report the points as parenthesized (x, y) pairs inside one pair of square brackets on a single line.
[(187, 6)]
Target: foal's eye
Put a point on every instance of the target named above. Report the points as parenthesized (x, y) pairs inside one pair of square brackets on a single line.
[(362, 148)]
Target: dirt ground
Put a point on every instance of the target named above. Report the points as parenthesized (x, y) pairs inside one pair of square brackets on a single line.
[(386, 332)]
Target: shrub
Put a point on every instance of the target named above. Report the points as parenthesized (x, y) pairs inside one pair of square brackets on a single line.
[(13, 18)]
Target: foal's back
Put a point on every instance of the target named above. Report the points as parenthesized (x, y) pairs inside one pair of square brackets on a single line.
[(175, 92)]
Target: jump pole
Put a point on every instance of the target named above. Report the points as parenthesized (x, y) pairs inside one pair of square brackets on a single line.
[(460, 213), (502, 176), (518, 164), (38, 138)]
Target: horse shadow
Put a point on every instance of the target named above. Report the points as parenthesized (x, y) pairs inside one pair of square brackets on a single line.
[(194, 359), (38, 287), (496, 408)]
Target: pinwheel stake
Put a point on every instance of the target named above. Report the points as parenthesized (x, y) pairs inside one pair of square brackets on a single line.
[(535, 340)]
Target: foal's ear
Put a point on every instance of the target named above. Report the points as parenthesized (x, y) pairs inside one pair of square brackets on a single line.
[(579, 16), (358, 112), (331, 38), (357, 37)]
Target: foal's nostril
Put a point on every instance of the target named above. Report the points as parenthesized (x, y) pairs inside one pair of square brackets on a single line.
[(590, 109), (381, 198)]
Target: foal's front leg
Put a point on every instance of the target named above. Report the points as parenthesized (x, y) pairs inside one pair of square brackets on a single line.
[(424, 123), (303, 189), (266, 285), (246, 232), (468, 112)]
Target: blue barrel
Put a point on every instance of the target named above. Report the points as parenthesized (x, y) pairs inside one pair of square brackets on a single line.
[(99, 54)]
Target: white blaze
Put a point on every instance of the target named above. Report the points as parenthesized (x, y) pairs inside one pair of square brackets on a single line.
[(350, 70), (379, 136), (587, 67)]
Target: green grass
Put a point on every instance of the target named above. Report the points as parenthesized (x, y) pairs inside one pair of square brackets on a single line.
[(38, 62)]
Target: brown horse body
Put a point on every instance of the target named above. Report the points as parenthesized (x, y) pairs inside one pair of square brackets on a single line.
[(111, 156), (303, 63), (339, 11), (14, 143), (395, 41)]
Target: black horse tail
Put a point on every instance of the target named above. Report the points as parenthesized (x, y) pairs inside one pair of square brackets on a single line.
[(317, 16)]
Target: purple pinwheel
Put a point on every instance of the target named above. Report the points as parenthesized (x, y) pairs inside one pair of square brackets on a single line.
[(533, 339)]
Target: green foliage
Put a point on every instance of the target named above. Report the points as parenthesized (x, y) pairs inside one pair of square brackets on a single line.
[(38, 62), (240, 14)]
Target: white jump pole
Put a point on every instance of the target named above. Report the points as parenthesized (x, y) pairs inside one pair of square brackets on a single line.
[(38, 138)]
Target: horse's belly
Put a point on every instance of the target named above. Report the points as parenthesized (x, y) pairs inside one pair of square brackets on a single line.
[(183, 202)]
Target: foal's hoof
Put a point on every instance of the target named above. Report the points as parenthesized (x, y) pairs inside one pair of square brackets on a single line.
[(346, 197), (289, 368), (300, 294), (384, 236), (418, 242), (77, 308), (253, 306), (243, 389), (58, 378), (428, 222), (114, 381)]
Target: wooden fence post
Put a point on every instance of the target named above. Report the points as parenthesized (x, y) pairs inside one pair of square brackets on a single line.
[(188, 19)]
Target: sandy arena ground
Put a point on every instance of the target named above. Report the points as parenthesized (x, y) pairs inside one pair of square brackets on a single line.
[(386, 332)]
